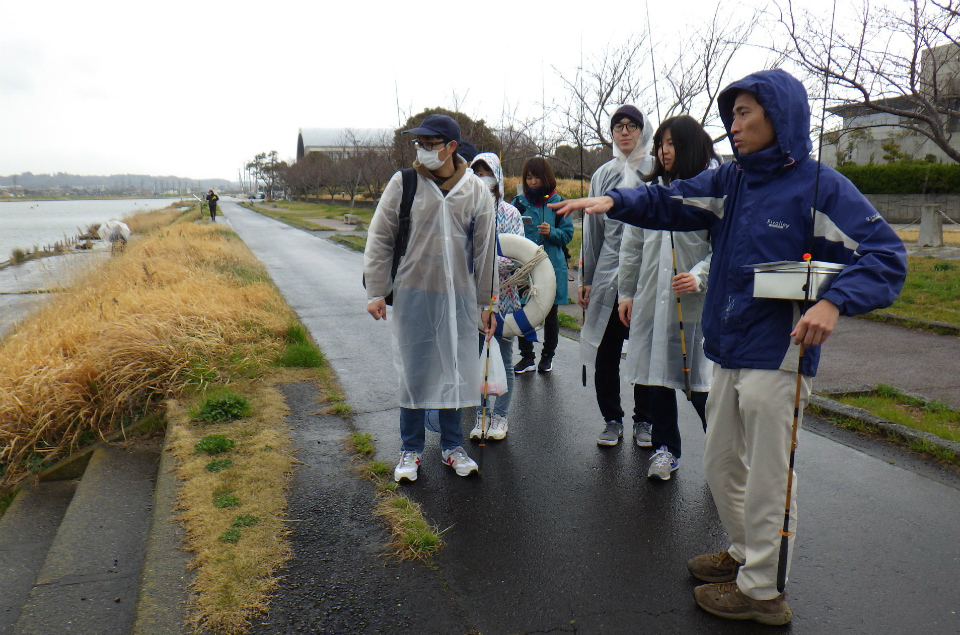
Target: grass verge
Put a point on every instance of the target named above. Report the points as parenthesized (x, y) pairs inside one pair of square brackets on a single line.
[(931, 293), (568, 321), (886, 403), (307, 216), (353, 241), (184, 322), (890, 404), (232, 499), (412, 537), (921, 446)]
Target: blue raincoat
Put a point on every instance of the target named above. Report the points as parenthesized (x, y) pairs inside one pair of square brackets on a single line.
[(760, 208)]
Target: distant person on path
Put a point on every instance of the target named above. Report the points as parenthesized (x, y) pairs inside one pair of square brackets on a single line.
[(553, 232), (212, 199), (486, 165), (648, 298), (441, 292), (603, 334), (765, 206)]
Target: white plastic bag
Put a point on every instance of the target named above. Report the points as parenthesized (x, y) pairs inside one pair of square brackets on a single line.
[(495, 372)]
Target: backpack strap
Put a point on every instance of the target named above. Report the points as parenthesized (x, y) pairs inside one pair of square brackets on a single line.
[(409, 176)]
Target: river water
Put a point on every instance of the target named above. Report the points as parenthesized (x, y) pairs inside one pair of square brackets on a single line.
[(26, 224)]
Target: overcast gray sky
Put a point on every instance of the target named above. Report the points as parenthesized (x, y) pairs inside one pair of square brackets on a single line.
[(196, 88)]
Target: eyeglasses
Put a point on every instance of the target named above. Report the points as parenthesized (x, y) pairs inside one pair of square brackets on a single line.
[(430, 146), (631, 127)]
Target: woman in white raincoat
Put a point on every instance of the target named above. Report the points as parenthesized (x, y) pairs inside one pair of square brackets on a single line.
[(442, 285), (602, 335), (648, 297)]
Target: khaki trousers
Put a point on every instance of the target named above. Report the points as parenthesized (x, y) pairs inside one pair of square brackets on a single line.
[(747, 455)]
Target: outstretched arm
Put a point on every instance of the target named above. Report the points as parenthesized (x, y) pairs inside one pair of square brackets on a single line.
[(598, 205)]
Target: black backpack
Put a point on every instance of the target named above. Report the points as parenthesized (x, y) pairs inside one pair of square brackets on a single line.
[(409, 176)]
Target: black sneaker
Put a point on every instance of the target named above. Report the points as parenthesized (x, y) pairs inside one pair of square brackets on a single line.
[(525, 364), (546, 364)]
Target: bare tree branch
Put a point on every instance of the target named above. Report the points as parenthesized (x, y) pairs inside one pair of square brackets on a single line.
[(901, 61)]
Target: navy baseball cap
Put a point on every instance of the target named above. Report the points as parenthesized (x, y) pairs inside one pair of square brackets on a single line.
[(437, 126)]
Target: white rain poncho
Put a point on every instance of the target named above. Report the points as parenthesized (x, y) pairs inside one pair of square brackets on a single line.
[(654, 357), (443, 282), (113, 230), (600, 248)]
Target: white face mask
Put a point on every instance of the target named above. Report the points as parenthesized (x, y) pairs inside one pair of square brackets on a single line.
[(489, 181), (429, 158)]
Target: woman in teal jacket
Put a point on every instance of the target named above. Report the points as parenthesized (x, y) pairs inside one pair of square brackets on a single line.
[(553, 232)]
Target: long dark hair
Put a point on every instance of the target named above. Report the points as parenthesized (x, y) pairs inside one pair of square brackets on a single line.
[(692, 148)]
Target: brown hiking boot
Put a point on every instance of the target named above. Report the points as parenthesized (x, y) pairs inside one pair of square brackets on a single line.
[(727, 600), (714, 567)]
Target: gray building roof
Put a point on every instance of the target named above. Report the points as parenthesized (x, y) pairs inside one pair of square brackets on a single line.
[(329, 140)]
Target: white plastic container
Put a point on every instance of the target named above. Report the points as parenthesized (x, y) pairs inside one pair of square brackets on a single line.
[(786, 279)]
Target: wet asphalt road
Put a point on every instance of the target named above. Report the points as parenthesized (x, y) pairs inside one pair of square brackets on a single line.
[(558, 535)]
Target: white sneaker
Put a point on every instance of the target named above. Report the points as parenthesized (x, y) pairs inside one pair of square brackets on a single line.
[(477, 432), (458, 459), (498, 428), (407, 466)]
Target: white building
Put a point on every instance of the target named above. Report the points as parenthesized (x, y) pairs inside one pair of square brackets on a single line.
[(342, 142), (865, 130)]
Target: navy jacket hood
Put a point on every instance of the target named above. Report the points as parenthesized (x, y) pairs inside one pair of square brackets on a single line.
[(784, 99)]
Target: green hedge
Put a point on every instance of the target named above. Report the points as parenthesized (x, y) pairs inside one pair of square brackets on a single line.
[(904, 178)]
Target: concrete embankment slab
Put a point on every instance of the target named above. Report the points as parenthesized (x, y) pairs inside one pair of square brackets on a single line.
[(164, 581), (88, 582), (26, 532)]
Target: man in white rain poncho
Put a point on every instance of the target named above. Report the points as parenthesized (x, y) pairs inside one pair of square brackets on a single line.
[(602, 336), (442, 289)]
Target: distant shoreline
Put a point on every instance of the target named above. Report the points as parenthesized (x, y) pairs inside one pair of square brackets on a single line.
[(20, 199)]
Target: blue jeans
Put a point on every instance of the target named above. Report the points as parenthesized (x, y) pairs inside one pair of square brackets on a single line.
[(413, 428), (502, 406)]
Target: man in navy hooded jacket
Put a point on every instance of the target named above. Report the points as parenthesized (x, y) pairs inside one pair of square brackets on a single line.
[(760, 208)]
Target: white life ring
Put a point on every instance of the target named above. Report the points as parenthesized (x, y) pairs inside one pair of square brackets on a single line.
[(543, 288)]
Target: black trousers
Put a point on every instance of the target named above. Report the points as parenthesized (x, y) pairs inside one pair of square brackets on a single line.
[(213, 211), (606, 376), (551, 337), (660, 409)]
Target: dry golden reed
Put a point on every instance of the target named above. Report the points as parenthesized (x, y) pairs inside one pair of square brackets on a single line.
[(185, 305)]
